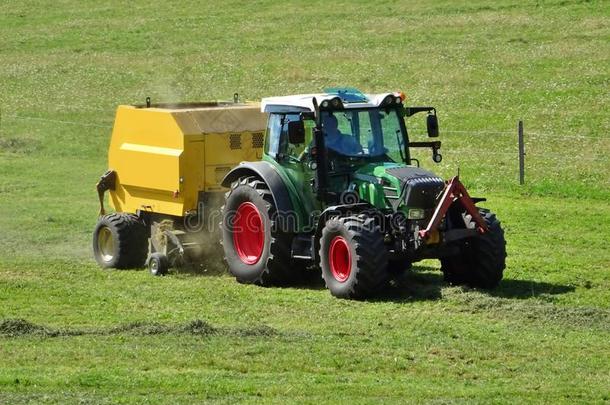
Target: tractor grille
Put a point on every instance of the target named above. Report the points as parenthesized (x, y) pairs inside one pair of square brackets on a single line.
[(235, 141), (257, 140), (423, 191), (422, 186)]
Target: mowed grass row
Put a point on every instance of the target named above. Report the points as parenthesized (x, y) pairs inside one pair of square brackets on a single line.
[(123, 335), (418, 361), (70, 332)]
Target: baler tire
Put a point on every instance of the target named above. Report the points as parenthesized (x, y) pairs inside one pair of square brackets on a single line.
[(274, 265), (482, 259), (360, 239), (120, 240), (158, 264)]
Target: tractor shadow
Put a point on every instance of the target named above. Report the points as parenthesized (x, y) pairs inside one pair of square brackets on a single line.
[(523, 289), (416, 284), (422, 283)]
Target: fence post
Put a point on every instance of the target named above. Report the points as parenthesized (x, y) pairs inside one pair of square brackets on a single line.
[(521, 154)]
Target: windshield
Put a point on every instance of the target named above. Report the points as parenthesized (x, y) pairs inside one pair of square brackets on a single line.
[(365, 133)]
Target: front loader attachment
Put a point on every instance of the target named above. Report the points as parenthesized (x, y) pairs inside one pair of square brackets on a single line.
[(454, 192)]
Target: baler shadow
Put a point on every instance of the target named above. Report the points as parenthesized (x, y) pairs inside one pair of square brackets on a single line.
[(194, 271)]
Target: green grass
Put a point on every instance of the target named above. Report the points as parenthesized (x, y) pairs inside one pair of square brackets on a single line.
[(71, 333)]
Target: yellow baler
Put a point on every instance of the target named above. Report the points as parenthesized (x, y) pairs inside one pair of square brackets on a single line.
[(164, 160), (164, 156)]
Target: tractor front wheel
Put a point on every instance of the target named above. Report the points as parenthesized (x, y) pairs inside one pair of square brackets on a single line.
[(353, 257), (481, 260)]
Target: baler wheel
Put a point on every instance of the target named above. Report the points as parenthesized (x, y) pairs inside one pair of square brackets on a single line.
[(158, 264), (120, 240)]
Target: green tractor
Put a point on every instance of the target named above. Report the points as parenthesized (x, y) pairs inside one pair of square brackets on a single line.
[(336, 190)]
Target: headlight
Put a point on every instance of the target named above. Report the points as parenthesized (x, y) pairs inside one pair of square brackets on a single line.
[(416, 213)]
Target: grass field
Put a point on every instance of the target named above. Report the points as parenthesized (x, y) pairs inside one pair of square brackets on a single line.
[(71, 333)]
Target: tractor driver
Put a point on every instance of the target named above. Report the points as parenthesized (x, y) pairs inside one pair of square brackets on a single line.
[(337, 141)]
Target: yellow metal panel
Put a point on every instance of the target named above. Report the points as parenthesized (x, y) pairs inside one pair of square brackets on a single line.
[(225, 151), (192, 170), (150, 166), (151, 149), (132, 199), (145, 151), (164, 157)]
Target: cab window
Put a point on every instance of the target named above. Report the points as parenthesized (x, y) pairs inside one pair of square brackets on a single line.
[(277, 142), (272, 140), (288, 148)]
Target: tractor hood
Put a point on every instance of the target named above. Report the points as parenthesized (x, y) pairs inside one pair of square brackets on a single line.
[(410, 185)]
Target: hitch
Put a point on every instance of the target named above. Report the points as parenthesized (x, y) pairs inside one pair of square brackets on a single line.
[(455, 191), (107, 182)]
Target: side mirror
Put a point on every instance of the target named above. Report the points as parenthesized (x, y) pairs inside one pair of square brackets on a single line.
[(296, 132), (432, 125)]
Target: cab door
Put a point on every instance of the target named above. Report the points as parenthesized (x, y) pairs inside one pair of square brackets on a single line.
[(294, 159)]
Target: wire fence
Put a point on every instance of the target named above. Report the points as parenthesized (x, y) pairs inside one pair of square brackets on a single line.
[(538, 148), (530, 134), (53, 121)]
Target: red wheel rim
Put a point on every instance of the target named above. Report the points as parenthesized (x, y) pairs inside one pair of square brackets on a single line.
[(248, 233), (340, 259)]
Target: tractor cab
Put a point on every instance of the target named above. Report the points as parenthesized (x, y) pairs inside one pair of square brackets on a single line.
[(354, 130)]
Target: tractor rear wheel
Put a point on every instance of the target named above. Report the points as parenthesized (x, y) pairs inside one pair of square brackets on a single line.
[(255, 251), (120, 241), (353, 257), (482, 259), (397, 267)]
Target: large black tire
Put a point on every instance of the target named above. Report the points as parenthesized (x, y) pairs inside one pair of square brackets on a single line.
[(397, 267), (482, 259), (120, 241), (267, 259), (353, 257)]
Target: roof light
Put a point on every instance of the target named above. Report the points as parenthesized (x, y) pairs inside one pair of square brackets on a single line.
[(334, 103), (389, 99), (401, 94)]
